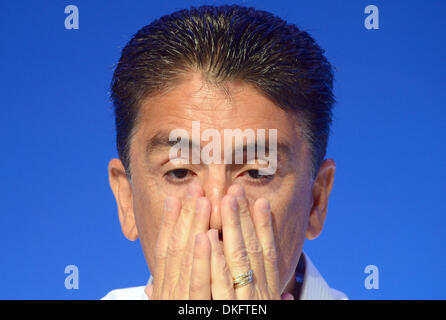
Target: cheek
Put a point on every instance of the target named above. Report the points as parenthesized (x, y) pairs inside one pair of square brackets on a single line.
[(290, 217), (290, 223), (148, 203)]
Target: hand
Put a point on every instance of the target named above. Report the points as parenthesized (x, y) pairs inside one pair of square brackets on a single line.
[(248, 243), (206, 267), (183, 252)]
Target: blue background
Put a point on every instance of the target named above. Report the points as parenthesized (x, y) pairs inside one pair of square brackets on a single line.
[(57, 136)]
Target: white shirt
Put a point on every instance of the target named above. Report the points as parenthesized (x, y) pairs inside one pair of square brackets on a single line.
[(314, 287)]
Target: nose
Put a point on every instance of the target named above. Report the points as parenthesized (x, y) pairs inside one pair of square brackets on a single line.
[(215, 187)]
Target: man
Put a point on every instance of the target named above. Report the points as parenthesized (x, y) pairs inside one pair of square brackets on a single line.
[(213, 228)]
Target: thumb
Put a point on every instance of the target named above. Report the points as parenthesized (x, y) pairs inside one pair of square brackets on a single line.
[(149, 290), (287, 296)]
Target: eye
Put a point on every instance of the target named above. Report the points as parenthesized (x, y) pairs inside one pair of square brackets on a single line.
[(254, 174), (178, 175), (255, 177)]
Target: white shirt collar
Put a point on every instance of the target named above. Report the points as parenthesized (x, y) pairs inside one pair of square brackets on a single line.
[(314, 286)]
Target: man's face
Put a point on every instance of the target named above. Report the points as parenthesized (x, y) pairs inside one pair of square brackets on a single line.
[(238, 106)]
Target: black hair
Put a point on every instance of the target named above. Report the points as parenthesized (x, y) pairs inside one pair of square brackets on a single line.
[(227, 43)]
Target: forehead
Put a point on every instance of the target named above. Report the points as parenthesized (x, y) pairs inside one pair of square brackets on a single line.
[(232, 106)]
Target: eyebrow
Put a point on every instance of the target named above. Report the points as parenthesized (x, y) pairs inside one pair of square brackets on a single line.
[(161, 141), (282, 148)]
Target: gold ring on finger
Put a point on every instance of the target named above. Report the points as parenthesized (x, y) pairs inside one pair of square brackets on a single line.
[(243, 279)]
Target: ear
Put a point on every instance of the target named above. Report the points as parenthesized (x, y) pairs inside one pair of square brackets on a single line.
[(122, 189), (321, 192)]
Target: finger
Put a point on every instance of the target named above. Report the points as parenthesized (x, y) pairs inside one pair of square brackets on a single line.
[(172, 207), (177, 245), (221, 279), (287, 296), (264, 227), (200, 224), (252, 244), (234, 245), (200, 285), (149, 291)]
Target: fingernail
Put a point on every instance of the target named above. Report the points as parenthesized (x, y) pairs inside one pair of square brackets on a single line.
[(237, 191), (264, 206), (213, 234), (189, 192), (233, 203), (169, 204), (149, 291), (287, 296), (199, 204), (199, 238)]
